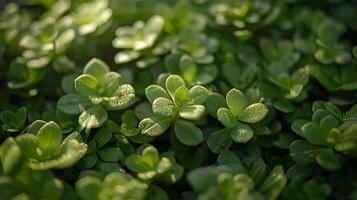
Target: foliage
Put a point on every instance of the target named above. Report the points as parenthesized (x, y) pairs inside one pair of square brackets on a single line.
[(191, 99)]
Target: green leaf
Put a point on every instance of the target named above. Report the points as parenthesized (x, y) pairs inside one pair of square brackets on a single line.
[(93, 117), (274, 184), (214, 102), (164, 107), (10, 154), (242, 133), (126, 56), (219, 141), (303, 152), (225, 116), (314, 134), (193, 112), (236, 101), (187, 133), (154, 126), (72, 151), (123, 97), (97, 68), (155, 91), (86, 85), (181, 95), (111, 82), (328, 160), (188, 68), (111, 154), (173, 82), (50, 136), (254, 113), (89, 187), (72, 104), (197, 95)]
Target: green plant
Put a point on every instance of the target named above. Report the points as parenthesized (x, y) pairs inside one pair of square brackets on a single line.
[(192, 99), (172, 104)]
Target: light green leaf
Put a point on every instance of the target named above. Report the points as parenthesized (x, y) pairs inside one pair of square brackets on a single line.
[(97, 68), (254, 113), (236, 101), (72, 151), (164, 107), (89, 187), (49, 136), (93, 117), (154, 126), (10, 154), (188, 68), (173, 82), (86, 85), (197, 95), (181, 96), (193, 112), (187, 133), (155, 91)]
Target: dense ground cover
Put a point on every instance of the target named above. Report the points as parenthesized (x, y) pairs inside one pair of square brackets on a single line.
[(200, 99)]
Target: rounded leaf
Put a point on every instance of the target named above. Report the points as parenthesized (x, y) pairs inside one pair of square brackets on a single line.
[(187, 133), (173, 82), (155, 91), (86, 85), (225, 116), (242, 133), (164, 107), (254, 113), (72, 104), (236, 101), (93, 117), (97, 68), (193, 112), (49, 136)]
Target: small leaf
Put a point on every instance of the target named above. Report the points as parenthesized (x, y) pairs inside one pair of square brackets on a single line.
[(154, 126), (181, 96), (97, 68), (242, 133), (328, 160), (214, 102), (197, 95), (164, 107), (303, 152), (236, 101), (173, 82), (93, 117), (110, 154), (155, 91), (49, 136), (187, 133), (188, 68), (314, 134), (10, 154), (219, 141), (254, 113), (86, 85), (193, 112), (89, 187), (225, 116), (72, 104)]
